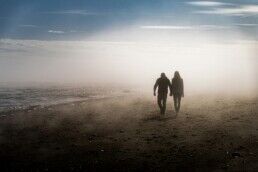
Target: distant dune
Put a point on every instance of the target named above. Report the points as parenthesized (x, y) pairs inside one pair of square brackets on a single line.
[(128, 134)]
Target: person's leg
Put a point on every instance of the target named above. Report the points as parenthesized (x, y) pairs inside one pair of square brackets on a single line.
[(159, 102), (175, 101), (179, 103), (164, 103), (176, 97)]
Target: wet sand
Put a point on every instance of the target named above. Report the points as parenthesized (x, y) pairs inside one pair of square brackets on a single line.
[(128, 134)]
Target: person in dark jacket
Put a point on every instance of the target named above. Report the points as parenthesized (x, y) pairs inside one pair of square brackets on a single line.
[(163, 84), (177, 90)]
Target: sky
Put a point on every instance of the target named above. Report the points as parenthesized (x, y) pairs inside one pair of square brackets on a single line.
[(129, 41), (70, 19)]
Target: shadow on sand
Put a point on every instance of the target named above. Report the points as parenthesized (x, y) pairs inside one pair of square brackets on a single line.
[(155, 116)]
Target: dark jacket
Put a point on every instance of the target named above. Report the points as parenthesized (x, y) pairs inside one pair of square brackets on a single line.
[(163, 84), (178, 86)]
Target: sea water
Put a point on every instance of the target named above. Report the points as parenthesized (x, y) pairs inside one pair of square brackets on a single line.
[(22, 98)]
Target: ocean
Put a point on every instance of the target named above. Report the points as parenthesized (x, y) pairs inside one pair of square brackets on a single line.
[(12, 99)]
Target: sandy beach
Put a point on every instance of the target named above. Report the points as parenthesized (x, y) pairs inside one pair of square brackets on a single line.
[(128, 134)]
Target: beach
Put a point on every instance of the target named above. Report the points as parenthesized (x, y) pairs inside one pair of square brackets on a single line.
[(127, 133)]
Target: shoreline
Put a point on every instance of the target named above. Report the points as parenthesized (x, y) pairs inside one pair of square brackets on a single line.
[(36, 107)]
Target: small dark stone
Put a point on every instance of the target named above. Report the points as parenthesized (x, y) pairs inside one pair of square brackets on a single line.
[(235, 154)]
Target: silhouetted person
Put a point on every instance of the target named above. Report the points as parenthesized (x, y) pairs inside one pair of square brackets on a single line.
[(163, 83), (177, 90)]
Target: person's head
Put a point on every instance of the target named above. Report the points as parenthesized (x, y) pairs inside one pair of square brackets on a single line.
[(162, 75), (176, 74)]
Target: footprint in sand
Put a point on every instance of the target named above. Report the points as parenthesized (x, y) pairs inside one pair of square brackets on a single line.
[(235, 118)]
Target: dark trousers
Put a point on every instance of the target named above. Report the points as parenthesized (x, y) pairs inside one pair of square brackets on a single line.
[(177, 101), (162, 101)]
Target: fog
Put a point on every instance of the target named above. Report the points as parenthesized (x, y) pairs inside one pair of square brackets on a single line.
[(207, 61)]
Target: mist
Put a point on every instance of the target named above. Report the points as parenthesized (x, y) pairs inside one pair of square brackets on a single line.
[(135, 58)]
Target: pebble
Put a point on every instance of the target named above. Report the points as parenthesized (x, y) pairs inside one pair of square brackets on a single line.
[(235, 154)]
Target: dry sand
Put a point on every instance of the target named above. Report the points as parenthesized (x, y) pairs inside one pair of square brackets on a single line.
[(128, 134)]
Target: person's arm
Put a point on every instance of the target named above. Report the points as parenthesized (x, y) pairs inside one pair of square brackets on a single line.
[(155, 87)]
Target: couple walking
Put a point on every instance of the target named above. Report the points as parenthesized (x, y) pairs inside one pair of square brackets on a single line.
[(176, 87)]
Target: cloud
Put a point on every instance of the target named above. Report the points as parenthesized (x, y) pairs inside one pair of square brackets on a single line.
[(72, 12), (13, 50), (236, 11), (207, 3), (56, 31), (246, 24), (194, 27), (213, 27), (197, 27), (167, 27), (28, 25)]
